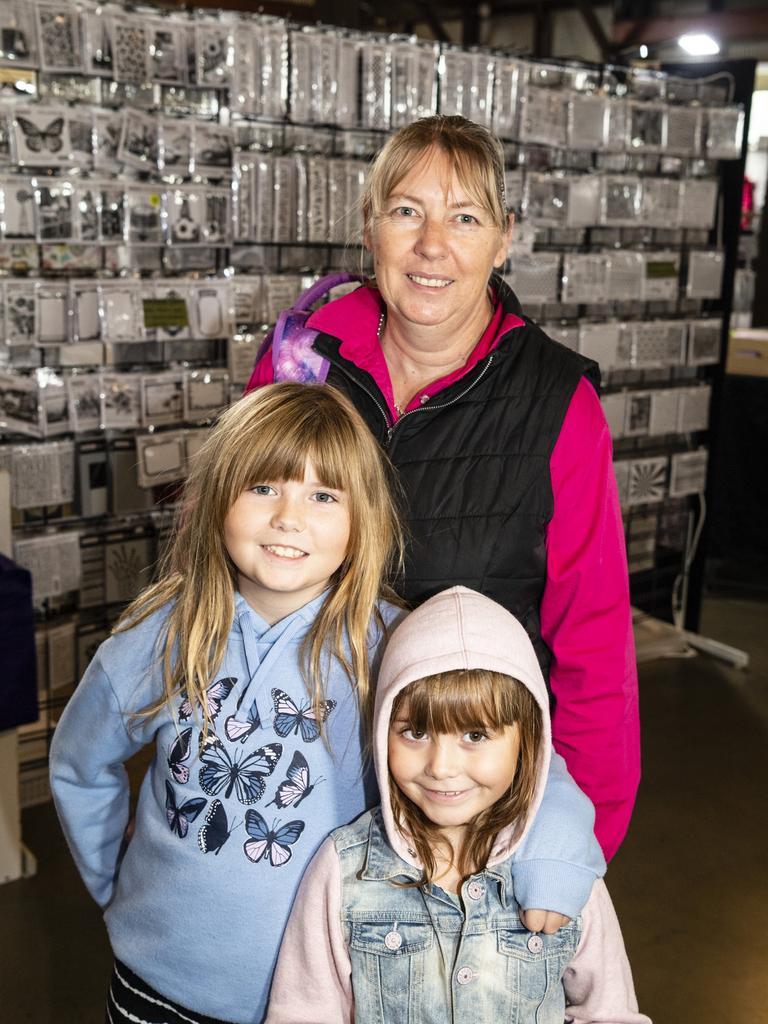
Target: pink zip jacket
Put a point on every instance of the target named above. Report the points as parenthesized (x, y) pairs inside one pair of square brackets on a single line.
[(360, 948), (585, 614)]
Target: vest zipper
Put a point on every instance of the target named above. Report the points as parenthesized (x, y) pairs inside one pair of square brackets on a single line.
[(445, 405), (431, 408)]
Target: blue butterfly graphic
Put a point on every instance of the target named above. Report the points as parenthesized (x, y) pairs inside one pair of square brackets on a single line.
[(216, 694), (289, 718), (246, 776), (297, 786), (238, 730), (179, 753), (215, 832), (274, 842), (179, 818)]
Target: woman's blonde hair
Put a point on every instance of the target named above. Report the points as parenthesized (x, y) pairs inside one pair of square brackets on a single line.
[(268, 436), (457, 702), (475, 156)]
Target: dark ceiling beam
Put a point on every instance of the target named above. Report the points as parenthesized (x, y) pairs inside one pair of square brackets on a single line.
[(592, 21), (729, 25), (542, 32), (431, 18), (470, 24), (531, 6)]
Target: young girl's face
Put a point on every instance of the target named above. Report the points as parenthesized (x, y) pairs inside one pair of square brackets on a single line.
[(287, 538), (452, 777)]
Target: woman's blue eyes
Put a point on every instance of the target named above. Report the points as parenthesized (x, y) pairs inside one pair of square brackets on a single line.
[(408, 212), (324, 498), (263, 489)]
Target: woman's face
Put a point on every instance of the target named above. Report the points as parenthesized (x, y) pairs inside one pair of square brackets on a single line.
[(434, 249)]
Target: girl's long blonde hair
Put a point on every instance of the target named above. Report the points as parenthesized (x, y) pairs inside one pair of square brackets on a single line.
[(268, 436), (457, 702)]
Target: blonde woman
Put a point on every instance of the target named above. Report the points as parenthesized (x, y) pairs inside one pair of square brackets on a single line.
[(498, 437)]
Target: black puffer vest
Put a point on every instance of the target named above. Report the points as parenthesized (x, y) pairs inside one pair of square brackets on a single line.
[(473, 463)]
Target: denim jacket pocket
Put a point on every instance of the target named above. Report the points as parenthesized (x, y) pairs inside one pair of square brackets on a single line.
[(533, 947), (390, 937), (534, 970)]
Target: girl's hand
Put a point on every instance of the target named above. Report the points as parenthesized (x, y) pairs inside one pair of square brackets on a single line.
[(546, 921)]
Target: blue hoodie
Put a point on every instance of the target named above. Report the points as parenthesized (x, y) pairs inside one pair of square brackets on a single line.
[(198, 904)]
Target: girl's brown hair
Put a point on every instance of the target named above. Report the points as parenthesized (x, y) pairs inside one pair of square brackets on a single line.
[(268, 436), (475, 156), (457, 702)]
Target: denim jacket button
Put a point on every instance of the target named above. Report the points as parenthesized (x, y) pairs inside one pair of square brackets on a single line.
[(475, 890), (535, 944), (393, 940), (464, 975)]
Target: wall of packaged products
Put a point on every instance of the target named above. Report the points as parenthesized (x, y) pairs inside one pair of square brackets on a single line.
[(170, 181)]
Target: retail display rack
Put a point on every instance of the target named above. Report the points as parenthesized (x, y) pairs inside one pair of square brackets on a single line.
[(170, 181)]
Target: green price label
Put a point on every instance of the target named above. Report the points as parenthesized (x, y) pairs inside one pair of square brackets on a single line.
[(661, 269), (165, 313)]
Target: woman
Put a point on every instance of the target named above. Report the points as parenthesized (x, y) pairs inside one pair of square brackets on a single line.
[(498, 436)]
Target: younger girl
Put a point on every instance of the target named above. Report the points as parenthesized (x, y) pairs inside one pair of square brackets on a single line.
[(411, 913), (245, 665)]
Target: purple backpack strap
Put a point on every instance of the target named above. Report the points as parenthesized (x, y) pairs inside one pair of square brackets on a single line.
[(293, 357)]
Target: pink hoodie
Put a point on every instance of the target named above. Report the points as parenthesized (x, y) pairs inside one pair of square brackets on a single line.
[(312, 985)]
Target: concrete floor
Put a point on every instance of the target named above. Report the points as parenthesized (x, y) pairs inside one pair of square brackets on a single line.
[(690, 883)]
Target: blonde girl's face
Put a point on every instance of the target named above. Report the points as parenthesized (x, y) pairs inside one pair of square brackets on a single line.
[(452, 777), (286, 539)]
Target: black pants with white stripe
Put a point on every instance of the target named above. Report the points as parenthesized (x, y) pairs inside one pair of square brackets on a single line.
[(133, 1001)]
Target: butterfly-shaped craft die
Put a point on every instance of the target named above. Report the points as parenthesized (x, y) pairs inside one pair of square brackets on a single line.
[(289, 718), (239, 730), (180, 817), (38, 139), (274, 843), (179, 753), (245, 776), (215, 694), (215, 832), (297, 786)]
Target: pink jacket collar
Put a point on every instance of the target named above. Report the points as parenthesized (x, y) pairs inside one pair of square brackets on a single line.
[(354, 320)]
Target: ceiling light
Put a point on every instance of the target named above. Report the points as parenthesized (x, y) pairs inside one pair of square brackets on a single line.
[(698, 44), (643, 51)]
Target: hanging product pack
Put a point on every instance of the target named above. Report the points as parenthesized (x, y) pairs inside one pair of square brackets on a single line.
[(293, 357)]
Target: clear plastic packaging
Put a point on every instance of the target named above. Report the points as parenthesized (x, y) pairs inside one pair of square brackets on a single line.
[(724, 133)]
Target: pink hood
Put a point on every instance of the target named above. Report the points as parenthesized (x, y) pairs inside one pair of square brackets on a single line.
[(457, 629)]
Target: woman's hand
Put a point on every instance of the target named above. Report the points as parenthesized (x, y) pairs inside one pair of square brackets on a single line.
[(546, 921)]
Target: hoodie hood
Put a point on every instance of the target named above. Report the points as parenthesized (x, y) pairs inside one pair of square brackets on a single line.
[(457, 629)]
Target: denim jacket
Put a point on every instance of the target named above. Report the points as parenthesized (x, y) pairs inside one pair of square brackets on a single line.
[(421, 957)]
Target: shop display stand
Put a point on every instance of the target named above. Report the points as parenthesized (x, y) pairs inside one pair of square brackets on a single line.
[(742, 75), (197, 200)]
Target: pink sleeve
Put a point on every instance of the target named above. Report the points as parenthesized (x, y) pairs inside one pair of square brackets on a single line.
[(312, 982), (587, 624), (598, 980), (262, 372)]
